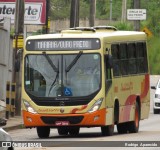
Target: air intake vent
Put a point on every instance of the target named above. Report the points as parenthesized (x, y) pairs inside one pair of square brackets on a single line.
[(84, 29), (105, 27)]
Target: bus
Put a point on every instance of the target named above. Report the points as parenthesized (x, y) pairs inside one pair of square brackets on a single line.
[(85, 77)]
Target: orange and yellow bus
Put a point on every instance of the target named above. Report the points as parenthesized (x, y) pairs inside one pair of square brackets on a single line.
[(85, 77)]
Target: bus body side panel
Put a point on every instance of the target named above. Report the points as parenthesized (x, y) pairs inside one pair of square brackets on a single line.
[(127, 89), (138, 88), (145, 97), (140, 91), (121, 92)]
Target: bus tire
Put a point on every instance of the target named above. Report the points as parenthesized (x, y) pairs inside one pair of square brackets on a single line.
[(62, 131), (122, 128), (133, 126), (73, 131), (43, 132), (107, 130)]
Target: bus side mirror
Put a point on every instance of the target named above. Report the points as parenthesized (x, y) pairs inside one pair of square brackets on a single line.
[(18, 60), (109, 61)]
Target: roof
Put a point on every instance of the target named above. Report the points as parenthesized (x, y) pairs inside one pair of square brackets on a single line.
[(91, 32)]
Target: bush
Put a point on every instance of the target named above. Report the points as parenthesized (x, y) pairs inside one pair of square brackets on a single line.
[(154, 56), (124, 26)]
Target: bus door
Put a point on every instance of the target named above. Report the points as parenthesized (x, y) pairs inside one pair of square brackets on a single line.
[(121, 79), (108, 88)]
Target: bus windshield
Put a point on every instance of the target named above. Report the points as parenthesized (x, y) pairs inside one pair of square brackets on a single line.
[(66, 75)]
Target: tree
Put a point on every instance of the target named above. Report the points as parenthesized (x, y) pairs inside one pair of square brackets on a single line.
[(74, 14), (92, 12), (59, 9), (137, 22), (124, 7)]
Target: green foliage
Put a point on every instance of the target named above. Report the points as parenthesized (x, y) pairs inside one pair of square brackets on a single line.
[(12, 32), (84, 9), (103, 6), (103, 9), (60, 9), (124, 26), (116, 9), (154, 57), (153, 17)]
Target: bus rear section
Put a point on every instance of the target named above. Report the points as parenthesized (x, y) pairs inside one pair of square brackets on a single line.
[(69, 83)]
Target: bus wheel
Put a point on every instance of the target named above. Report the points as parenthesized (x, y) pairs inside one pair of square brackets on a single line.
[(122, 128), (107, 130), (133, 126), (43, 132), (62, 131), (73, 131)]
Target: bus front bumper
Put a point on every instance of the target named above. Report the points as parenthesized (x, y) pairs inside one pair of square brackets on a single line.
[(97, 118)]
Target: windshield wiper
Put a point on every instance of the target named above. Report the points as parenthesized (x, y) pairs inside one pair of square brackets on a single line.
[(50, 62), (54, 68), (74, 61)]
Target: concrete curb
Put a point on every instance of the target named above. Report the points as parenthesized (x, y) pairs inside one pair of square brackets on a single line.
[(14, 123), (14, 127)]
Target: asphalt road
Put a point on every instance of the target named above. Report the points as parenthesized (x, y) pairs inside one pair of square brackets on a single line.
[(91, 138)]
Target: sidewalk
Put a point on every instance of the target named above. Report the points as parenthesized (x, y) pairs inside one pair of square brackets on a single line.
[(13, 123)]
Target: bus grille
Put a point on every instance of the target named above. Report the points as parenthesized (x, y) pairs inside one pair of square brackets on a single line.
[(52, 120)]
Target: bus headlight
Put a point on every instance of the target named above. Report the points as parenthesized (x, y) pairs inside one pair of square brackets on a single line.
[(96, 105), (29, 108)]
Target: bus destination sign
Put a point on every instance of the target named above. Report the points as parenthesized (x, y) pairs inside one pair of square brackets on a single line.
[(63, 44)]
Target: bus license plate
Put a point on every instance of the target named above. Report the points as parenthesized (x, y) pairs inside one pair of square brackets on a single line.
[(62, 123)]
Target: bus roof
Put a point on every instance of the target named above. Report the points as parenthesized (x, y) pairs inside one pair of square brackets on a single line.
[(112, 34)]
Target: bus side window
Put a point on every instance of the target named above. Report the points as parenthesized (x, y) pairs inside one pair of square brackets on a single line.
[(132, 58), (116, 60), (142, 64), (124, 59), (145, 57)]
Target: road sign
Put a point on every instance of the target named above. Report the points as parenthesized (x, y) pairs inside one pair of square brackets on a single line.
[(136, 14), (35, 11), (147, 31)]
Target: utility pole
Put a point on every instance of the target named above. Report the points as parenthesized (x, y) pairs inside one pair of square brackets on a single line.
[(92, 12), (19, 26), (19, 17), (136, 4), (124, 9), (46, 26), (74, 14)]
